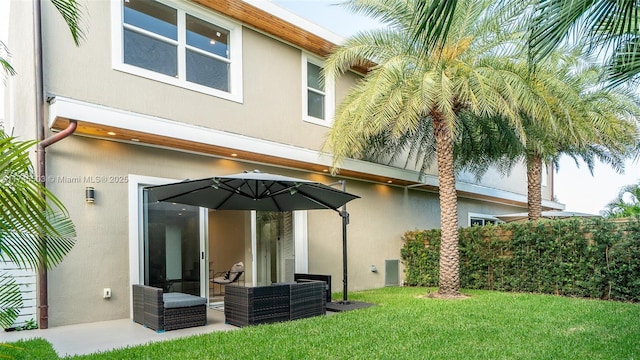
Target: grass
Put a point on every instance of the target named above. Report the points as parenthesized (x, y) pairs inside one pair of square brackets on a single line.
[(487, 325), (28, 349)]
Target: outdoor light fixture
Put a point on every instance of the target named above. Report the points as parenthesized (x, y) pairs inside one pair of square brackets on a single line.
[(89, 194)]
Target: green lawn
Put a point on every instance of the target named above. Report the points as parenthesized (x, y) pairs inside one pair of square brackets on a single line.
[(487, 325)]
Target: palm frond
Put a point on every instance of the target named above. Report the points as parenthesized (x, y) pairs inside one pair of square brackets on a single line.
[(433, 20), (35, 226), (605, 26), (10, 300), (7, 69), (624, 64), (552, 21), (72, 13), (393, 13), (627, 204)]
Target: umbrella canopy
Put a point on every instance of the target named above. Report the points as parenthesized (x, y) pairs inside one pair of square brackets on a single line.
[(259, 191), (545, 214), (252, 191)]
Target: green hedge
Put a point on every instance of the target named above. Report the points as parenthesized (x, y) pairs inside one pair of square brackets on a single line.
[(595, 258)]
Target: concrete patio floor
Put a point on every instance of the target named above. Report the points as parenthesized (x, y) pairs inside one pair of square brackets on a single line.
[(108, 335)]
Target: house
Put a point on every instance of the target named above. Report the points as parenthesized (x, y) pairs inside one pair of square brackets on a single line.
[(162, 91)]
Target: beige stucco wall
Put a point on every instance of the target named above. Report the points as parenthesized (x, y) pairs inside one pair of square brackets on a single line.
[(377, 222), (20, 97), (515, 181)]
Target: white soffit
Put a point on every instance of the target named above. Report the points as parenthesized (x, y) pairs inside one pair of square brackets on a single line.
[(294, 19)]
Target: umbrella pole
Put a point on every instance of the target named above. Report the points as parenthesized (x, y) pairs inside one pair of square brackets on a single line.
[(345, 220)]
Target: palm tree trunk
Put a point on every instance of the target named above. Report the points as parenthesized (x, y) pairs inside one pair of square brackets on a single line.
[(534, 190), (449, 283)]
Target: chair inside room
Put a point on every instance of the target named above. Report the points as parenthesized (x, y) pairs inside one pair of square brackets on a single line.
[(222, 278)]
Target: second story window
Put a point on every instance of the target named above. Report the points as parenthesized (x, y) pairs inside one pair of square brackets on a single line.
[(319, 103), (315, 92), (181, 46)]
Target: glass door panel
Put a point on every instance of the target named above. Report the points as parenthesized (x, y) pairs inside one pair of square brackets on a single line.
[(275, 248), (171, 247)]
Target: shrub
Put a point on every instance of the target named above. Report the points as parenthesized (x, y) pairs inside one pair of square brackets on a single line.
[(594, 258)]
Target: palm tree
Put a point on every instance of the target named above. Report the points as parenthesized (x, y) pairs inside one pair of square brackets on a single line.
[(434, 20), (409, 88), (627, 204), (71, 13), (587, 121)]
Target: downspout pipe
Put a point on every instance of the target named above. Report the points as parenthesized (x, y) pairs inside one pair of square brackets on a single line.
[(43, 286), (43, 143), (70, 129)]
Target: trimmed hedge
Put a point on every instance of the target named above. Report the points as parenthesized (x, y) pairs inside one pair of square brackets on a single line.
[(596, 258)]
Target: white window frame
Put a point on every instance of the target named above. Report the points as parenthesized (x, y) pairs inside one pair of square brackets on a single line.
[(329, 94), (235, 50), (482, 217)]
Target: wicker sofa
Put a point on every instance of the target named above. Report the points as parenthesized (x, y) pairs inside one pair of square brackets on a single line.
[(167, 311), (273, 303)]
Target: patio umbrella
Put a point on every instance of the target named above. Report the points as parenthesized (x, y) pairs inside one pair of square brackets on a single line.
[(259, 191), (553, 214), (252, 191)]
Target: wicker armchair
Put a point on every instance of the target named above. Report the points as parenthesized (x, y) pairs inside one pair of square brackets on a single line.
[(167, 311)]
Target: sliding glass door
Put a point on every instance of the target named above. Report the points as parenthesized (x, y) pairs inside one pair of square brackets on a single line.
[(173, 248)]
